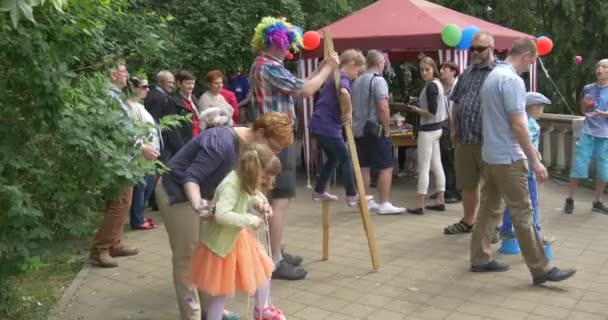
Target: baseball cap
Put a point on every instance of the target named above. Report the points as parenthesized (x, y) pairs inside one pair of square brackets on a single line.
[(533, 98)]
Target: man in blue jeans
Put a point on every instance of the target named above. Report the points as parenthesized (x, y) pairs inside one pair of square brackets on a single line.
[(370, 103)]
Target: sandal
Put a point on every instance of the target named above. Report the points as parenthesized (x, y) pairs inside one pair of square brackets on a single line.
[(269, 313), (458, 227), (146, 226)]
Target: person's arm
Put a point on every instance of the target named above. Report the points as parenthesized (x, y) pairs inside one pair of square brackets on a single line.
[(514, 99), (316, 80), (454, 122), (347, 115), (245, 101), (154, 105), (519, 126), (432, 93), (207, 160)]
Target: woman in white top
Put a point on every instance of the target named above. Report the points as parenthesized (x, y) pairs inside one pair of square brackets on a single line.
[(212, 98), (433, 112), (139, 89)]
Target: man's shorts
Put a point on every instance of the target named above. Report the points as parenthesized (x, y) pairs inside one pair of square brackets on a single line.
[(375, 153), (591, 148), (469, 166), (285, 182)]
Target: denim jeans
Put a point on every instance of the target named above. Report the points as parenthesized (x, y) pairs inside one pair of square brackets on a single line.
[(337, 154), (141, 193), (507, 225)]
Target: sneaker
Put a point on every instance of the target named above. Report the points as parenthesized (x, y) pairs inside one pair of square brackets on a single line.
[(352, 201), (325, 196), (388, 208), (492, 266), (599, 206), (372, 206), (401, 174), (292, 260), (458, 228), (285, 271), (269, 313), (103, 259), (554, 275), (569, 207)]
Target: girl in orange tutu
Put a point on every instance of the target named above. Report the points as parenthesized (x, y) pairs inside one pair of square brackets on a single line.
[(229, 257)]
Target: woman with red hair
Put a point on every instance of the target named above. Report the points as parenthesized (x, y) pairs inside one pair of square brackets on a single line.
[(213, 98)]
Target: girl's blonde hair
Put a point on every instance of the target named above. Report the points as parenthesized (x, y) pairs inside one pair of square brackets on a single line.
[(352, 55), (257, 160)]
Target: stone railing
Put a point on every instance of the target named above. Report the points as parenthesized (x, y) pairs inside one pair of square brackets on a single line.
[(559, 134)]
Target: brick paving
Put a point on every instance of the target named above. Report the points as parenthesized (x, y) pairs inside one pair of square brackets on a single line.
[(424, 274)]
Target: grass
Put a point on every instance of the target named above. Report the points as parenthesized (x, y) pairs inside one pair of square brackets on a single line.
[(36, 292)]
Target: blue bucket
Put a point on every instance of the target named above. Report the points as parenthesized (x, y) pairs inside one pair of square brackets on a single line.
[(509, 246), (548, 252)]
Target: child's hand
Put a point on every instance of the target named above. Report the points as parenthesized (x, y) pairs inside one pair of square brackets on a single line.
[(256, 222), (204, 209)]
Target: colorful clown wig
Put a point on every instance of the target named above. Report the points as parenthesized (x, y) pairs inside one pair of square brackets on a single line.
[(278, 32)]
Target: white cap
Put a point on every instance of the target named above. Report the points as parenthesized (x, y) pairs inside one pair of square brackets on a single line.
[(533, 98)]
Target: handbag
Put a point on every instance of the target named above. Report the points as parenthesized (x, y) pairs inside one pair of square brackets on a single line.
[(372, 128)]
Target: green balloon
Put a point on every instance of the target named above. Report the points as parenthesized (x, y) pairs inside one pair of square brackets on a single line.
[(451, 35)]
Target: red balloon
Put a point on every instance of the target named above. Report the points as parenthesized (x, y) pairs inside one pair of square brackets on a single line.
[(289, 56), (311, 40), (544, 45)]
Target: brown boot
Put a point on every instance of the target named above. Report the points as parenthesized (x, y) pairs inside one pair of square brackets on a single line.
[(103, 259), (123, 251)]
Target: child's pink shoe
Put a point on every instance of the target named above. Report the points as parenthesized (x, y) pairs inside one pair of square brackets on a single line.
[(269, 313)]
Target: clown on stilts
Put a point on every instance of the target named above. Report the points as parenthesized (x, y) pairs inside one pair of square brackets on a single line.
[(273, 89)]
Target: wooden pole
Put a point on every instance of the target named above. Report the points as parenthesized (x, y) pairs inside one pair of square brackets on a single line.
[(346, 109)]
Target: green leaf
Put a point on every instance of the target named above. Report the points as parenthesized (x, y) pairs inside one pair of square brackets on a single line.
[(26, 10)]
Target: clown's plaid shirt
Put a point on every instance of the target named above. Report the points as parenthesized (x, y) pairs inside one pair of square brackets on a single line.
[(272, 87)]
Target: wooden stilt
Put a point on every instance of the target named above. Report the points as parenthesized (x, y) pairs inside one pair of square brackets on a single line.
[(346, 109)]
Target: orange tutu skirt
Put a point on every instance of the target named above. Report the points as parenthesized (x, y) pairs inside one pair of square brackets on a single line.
[(246, 268)]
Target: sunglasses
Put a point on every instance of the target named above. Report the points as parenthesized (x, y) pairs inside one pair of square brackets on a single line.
[(479, 49), (145, 87)]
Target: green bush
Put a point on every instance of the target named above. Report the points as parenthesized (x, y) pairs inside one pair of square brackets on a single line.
[(64, 144)]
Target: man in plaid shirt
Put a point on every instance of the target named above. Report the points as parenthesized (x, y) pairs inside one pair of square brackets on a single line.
[(273, 89)]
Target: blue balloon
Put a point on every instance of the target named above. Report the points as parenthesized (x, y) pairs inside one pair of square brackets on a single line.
[(298, 30), (467, 37)]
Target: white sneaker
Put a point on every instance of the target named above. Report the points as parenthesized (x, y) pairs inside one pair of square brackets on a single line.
[(372, 206), (387, 208)]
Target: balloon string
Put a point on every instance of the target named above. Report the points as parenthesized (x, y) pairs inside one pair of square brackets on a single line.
[(542, 65)]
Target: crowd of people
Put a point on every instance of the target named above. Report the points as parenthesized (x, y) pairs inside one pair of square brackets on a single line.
[(478, 135)]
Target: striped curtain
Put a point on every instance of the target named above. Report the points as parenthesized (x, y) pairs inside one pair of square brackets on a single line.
[(533, 77), (305, 69), (460, 57)]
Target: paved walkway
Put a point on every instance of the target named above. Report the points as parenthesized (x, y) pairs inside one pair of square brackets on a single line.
[(424, 274)]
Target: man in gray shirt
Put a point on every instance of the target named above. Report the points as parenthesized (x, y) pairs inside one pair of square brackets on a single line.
[(370, 102), (506, 146)]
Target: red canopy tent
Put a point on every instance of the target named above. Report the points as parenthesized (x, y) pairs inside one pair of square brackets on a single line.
[(404, 28), (407, 25)]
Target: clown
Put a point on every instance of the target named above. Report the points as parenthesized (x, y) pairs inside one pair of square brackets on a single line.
[(273, 88)]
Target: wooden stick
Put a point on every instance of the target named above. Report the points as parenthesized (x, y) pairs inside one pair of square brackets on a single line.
[(346, 108)]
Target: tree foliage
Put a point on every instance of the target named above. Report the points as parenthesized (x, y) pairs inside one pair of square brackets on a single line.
[(577, 27)]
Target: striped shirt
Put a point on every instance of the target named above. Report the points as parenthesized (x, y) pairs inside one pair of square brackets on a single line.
[(272, 86), (466, 95)]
